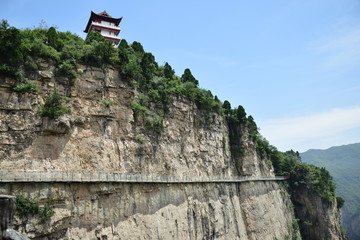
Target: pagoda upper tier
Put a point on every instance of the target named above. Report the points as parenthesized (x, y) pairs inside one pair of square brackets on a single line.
[(106, 25)]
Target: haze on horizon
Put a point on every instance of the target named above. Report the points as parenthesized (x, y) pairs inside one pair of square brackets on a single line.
[(293, 65)]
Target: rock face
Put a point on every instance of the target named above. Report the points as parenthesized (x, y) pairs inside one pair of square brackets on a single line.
[(319, 219), (7, 208), (153, 211), (99, 137)]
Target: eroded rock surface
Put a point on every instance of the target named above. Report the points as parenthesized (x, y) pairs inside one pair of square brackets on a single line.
[(100, 137)]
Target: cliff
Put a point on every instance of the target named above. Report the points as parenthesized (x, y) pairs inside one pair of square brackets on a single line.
[(343, 164), (59, 114), (99, 138)]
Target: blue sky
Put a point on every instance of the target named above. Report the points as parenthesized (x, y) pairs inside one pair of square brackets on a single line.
[(293, 65)]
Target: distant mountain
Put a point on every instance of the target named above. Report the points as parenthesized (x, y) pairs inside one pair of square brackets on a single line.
[(343, 162)]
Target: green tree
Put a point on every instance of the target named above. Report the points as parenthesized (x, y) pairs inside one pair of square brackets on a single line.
[(148, 66), (94, 36), (123, 50), (168, 71), (10, 45), (98, 51), (253, 129), (137, 47), (241, 114), (227, 108), (188, 77), (52, 37)]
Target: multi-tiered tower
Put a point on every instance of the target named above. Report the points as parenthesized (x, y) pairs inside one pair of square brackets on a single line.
[(106, 25)]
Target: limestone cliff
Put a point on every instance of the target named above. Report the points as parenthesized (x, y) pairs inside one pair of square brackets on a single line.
[(107, 137), (319, 219)]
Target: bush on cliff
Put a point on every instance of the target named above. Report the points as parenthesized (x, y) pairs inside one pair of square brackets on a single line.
[(54, 106), (27, 47), (27, 86), (302, 174), (26, 207)]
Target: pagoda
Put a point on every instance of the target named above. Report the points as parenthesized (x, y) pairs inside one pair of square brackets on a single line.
[(106, 25)]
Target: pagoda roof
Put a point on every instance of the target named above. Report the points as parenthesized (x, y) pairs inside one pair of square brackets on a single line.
[(102, 16)]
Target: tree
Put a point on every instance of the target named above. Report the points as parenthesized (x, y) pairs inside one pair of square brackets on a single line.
[(148, 65), (188, 77), (98, 50), (123, 50), (94, 36), (10, 45), (227, 108), (253, 129), (168, 71), (137, 47), (241, 114), (51, 35)]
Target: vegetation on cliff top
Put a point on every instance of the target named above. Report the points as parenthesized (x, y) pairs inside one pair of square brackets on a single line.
[(302, 175), (23, 50)]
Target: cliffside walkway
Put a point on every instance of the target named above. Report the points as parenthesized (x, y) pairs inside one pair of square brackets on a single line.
[(83, 176)]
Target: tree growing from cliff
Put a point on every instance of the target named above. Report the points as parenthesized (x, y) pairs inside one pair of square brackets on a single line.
[(98, 51), (188, 77), (52, 37), (168, 71), (241, 114), (137, 47), (10, 45), (227, 108), (148, 66), (123, 51)]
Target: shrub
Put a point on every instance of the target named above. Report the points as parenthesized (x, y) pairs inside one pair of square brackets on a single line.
[(138, 108), (154, 122), (302, 174), (28, 86), (66, 69), (26, 206), (106, 102), (54, 107), (10, 71), (30, 64)]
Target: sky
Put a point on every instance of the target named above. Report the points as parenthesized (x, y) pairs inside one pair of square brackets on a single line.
[(293, 65)]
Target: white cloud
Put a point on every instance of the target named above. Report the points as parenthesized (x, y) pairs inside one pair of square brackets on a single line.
[(340, 50), (321, 130)]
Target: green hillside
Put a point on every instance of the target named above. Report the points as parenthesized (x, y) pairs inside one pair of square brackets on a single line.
[(343, 163)]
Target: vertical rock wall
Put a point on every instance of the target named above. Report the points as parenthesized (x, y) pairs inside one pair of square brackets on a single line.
[(318, 218), (96, 137), (7, 208), (255, 210)]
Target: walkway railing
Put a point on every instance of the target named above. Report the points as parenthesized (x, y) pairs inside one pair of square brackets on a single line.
[(83, 176)]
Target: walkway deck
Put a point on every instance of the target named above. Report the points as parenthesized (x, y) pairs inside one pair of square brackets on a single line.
[(82, 176)]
